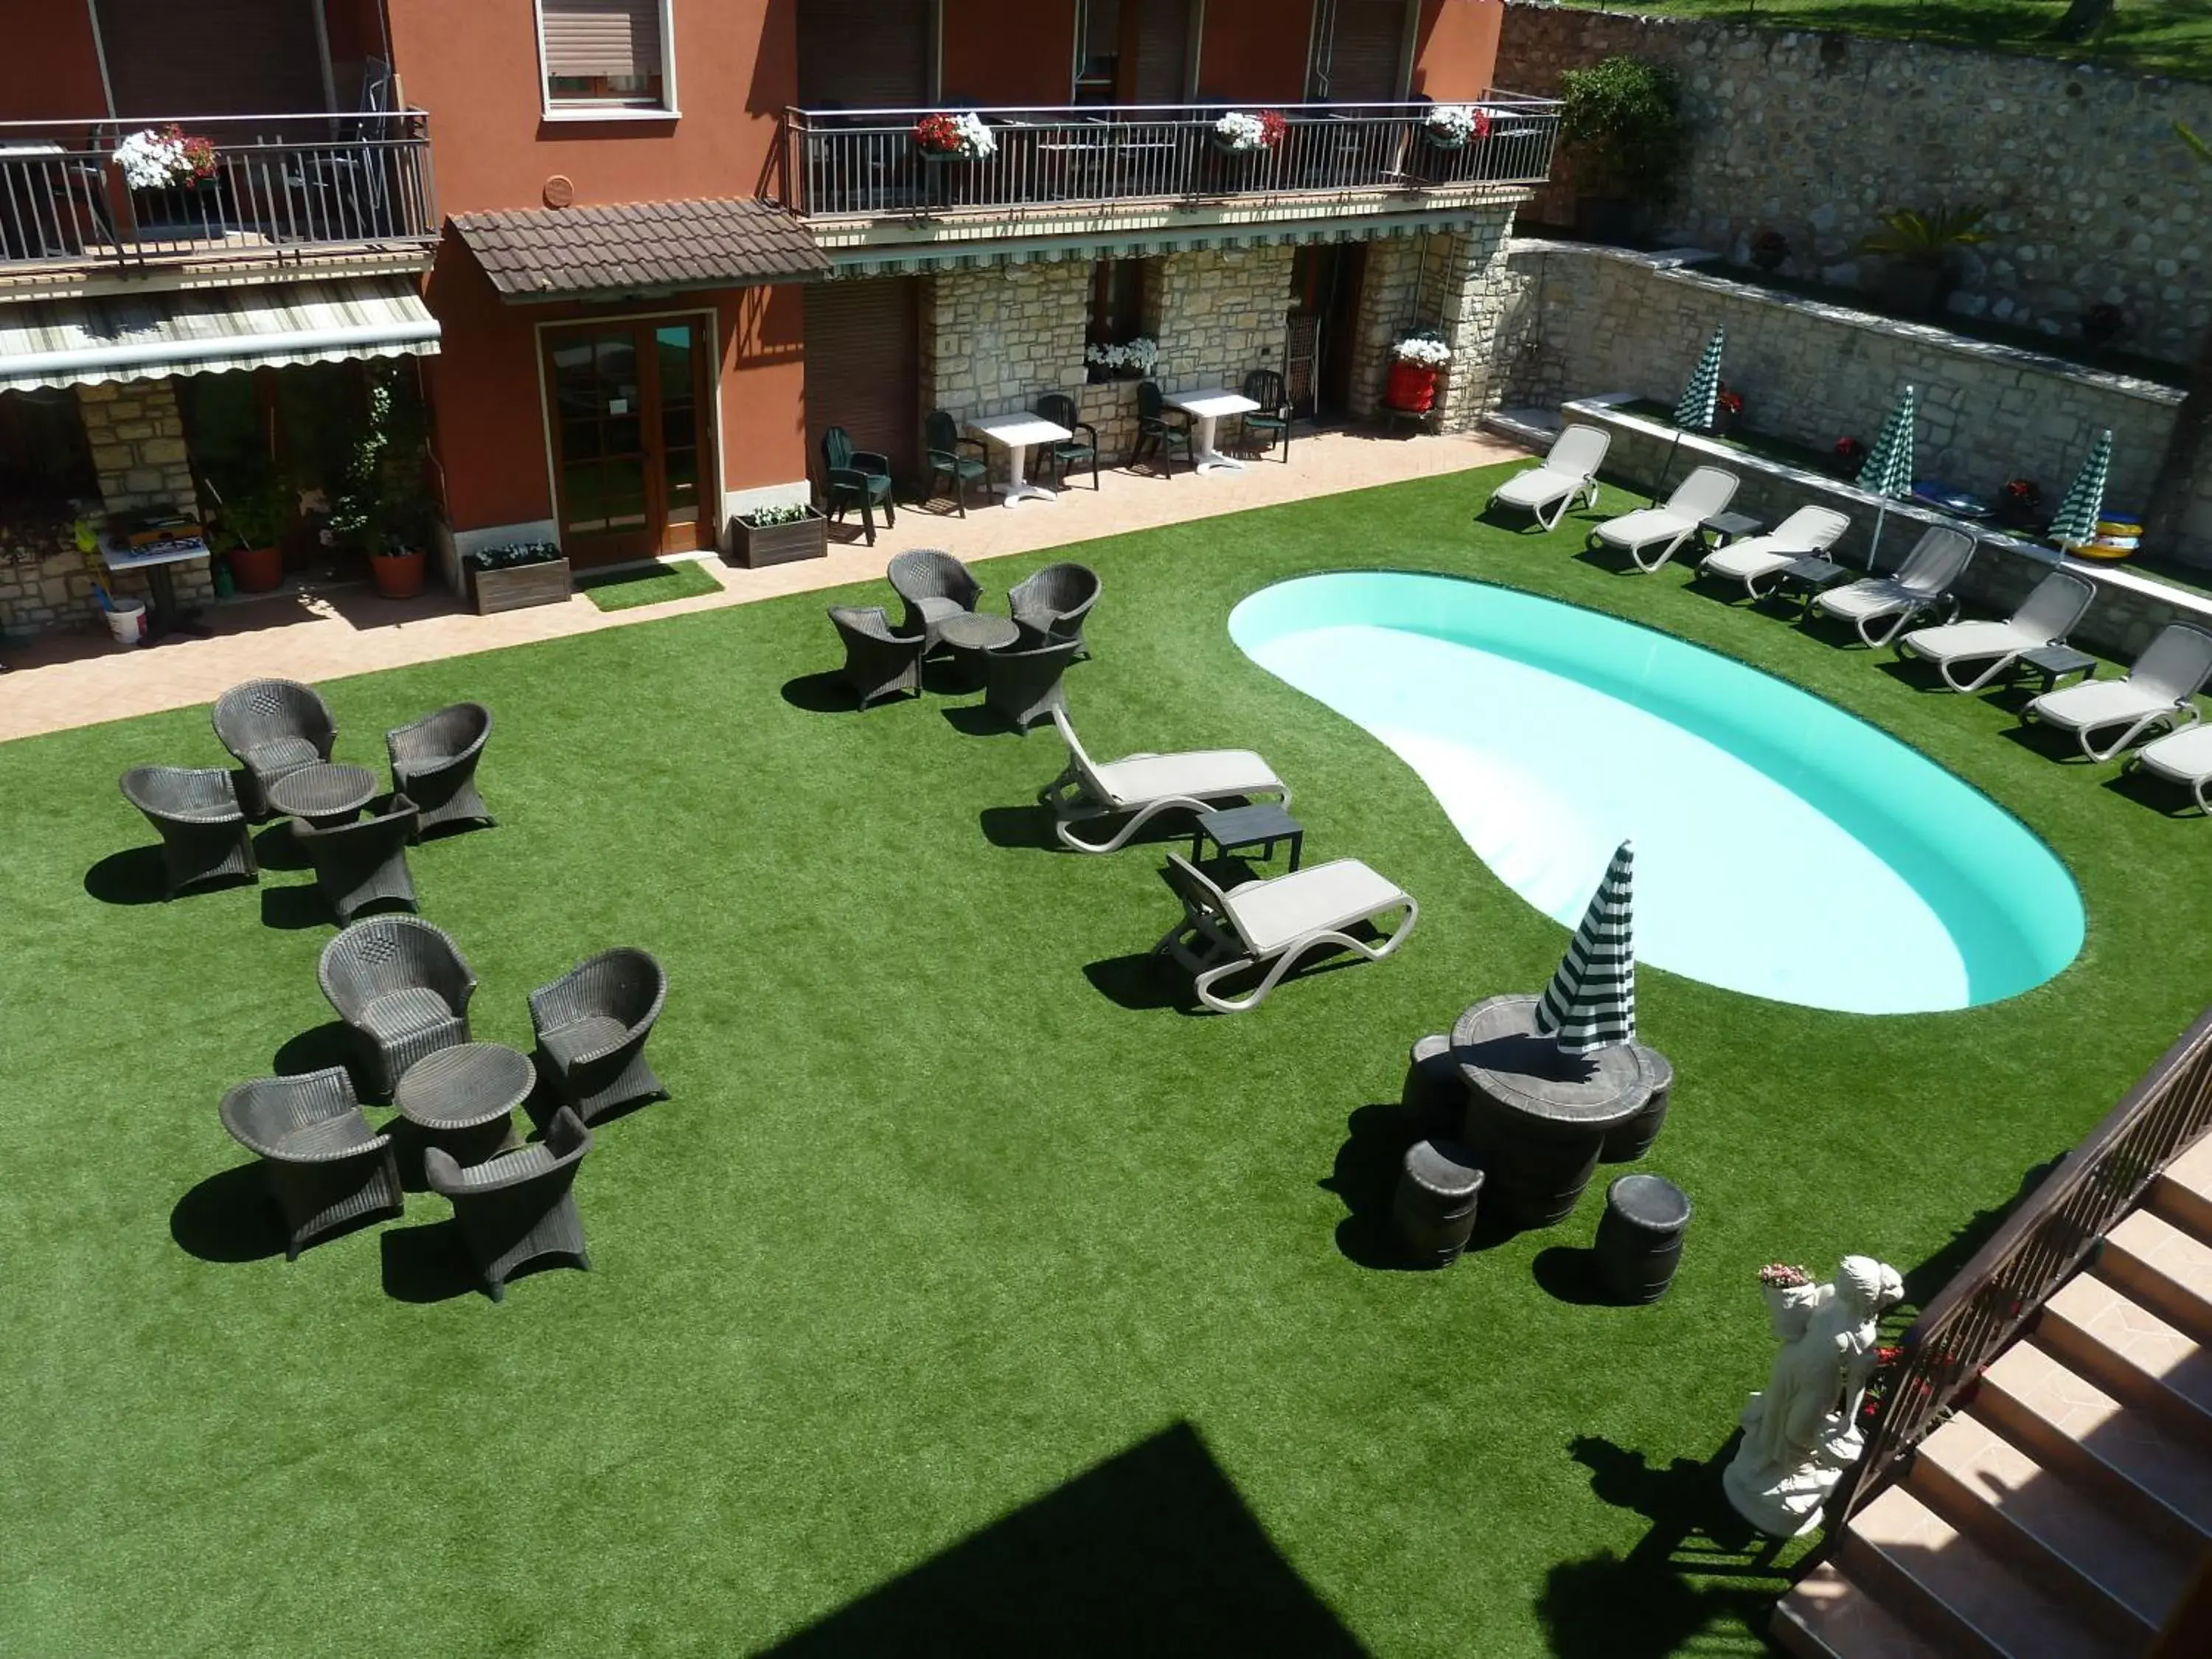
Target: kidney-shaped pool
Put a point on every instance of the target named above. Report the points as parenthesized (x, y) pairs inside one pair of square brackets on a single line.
[(1783, 848)]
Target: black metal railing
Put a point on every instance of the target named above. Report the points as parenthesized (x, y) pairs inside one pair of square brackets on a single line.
[(866, 163), (273, 185), (1990, 1300)]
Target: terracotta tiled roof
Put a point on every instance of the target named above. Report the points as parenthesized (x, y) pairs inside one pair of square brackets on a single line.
[(550, 254)]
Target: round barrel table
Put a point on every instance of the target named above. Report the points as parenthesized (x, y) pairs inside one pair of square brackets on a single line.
[(1634, 1138), (1537, 1118)]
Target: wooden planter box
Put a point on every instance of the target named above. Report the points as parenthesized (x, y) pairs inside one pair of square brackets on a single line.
[(779, 544), (495, 591)]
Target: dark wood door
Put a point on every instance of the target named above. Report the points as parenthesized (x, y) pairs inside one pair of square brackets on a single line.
[(632, 440), (864, 367)]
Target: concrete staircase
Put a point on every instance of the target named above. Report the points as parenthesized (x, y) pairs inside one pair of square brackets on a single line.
[(2064, 1510)]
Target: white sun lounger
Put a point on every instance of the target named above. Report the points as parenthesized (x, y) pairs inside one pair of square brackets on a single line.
[(1706, 491), (1922, 584), (1144, 785), (2158, 692), (2184, 757), (1569, 471), (1805, 533), (2046, 617), (1276, 922)]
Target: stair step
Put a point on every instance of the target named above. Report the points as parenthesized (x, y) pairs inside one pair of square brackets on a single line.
[(2052, 1530), (1944, 1580), (1826, 1616), (2183, 1193), (2132, 1353), (2162, 1267), (2069, 1423)]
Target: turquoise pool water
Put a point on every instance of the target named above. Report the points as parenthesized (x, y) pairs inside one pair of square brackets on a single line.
[(1783, 848)]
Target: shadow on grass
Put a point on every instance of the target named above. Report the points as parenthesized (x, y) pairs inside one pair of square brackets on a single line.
[(289, 909), (274, 849), (1365, 1181), (2048, 741), (428, 1263), (1568, 1274), (1651, 1602), (1143, 983), (826, 693), (1028, 828), (2172, 801), (332, 1043), (230, 1216), (1150, 1552), (975, 720), (134, 876)]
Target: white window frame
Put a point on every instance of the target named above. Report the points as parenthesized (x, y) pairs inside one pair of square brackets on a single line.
[(666, 110)]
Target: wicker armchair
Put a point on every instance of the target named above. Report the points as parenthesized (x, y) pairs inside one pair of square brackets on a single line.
[(591, 1024), (272, 727), (326, 1167), (517, 1206), (203, 835), (404, 986), (1022, 683), (1055, 600), (434, 764), (358, 865), (877, 662), (936, 588)]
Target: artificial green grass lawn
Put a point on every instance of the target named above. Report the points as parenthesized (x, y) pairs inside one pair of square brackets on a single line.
[(653, 583), (933, 1224)]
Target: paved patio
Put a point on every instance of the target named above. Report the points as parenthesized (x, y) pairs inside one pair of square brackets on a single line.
[(80, 679)]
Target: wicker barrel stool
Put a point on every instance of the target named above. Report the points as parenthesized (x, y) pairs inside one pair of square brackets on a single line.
[(1639, 1237), (1434, 1210), (1629, 1141), (1434, 1083)]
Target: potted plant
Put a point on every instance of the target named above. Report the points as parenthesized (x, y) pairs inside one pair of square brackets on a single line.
[(1415, 362), (1727, 409), (2019, 505), (1242, 132), (519, 574), (778, 534), (164, 158), (948, 138), (1769, 249), (384, 503), (1850, 456), (1455, 126), (256, 516), (1915, 248), (1621, 126)]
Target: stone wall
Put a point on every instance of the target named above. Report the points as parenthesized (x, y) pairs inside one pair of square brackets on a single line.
[(1459, 282), (1588, 320), (1219, 314), (2092, 198)]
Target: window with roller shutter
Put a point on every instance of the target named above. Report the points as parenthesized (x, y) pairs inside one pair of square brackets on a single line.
[(1159, 47), (222, 58), (865, 54), (612, 52), (864, 367), (1365, 63)]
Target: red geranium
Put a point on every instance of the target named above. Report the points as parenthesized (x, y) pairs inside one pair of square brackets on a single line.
[(1274, 129), (937, 134), (1729, 401)]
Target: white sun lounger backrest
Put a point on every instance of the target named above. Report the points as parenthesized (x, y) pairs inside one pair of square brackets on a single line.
[(1192, 884), (1076, 756), (2048, 614), (1939, 560), (2174, 666), (1578, 452), (1706, 491), (1809, 530)]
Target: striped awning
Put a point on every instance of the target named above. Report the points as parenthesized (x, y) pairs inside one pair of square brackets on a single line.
[(907, 260), (147, 336)]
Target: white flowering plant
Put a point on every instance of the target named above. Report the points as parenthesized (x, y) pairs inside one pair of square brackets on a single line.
[(965, 136), (1455, 125), (1427, 348), (156, 158), (1244, 133), (1140, 354)]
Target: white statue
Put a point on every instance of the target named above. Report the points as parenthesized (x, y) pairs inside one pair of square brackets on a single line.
[(1800, 1433)]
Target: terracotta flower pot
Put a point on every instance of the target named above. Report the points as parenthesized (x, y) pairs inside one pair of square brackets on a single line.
[(256, 569), (397, 575)]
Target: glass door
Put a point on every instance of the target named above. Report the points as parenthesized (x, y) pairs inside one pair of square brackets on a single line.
[(629, 438)]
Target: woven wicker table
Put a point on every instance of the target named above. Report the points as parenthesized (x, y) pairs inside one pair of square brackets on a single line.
[(970, 634), (462, 1098), (1536, 1119), (327, 796)]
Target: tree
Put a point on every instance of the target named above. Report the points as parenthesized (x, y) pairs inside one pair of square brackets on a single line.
[(2174, 495)]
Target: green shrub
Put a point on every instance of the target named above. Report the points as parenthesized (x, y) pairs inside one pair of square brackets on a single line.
[(1621, 120)]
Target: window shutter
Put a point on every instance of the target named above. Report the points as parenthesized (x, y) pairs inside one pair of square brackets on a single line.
[(602, 39), (1365, 52)]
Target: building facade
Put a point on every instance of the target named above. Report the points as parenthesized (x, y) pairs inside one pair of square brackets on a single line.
[(638, 255)]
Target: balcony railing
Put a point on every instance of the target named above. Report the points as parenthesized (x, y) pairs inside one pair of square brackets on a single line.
[(279, 185), (865, 163)]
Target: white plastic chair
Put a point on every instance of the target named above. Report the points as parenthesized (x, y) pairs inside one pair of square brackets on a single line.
[(1144, 785), (2159, 690), (2046, 617), (1922, 584), (1806, 533), (1706, 491), (1568, 472), (1276, 922)]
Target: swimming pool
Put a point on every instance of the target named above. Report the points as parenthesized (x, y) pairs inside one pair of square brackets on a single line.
[(1783, 848)]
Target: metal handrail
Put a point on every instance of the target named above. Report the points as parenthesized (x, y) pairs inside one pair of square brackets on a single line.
[(865, 164), (1990, 1301), (281, 184)]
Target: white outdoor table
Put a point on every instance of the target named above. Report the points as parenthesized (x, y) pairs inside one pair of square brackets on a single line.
[(1014, 433), (1205, 408), (154, 559)]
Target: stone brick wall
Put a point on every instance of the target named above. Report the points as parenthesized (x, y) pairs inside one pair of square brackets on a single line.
[(2092, 198), (994, 340), (1460, 282), (1219, 314), (1590, 320)]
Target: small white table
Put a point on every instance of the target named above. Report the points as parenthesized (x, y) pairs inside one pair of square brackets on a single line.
[(154, 559), (1014, 433), (1205, 408)]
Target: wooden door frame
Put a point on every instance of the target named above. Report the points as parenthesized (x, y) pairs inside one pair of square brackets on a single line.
[(710, 442)]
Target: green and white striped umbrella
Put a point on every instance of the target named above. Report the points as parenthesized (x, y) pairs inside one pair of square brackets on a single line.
[(1590, 1003), (1701, 398), (1888, 468), (2085, 500)]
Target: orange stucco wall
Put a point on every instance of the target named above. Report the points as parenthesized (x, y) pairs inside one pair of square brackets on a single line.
[(1253, 51), (1009, 52), (1456, 53), (48, 69)]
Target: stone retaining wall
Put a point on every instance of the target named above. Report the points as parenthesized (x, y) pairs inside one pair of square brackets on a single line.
[(2092, 198)]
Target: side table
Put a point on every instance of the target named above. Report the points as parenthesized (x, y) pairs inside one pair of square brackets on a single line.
[(1260, 826), (970, 634), (327, 796), (462, 1098), (2050, 662), (1807, 578), (1723, 528)]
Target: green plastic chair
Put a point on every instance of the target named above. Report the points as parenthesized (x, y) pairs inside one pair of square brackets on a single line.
[(1272, 418), (943, 445), (856, 477), (1060, 408), (1160, 430)]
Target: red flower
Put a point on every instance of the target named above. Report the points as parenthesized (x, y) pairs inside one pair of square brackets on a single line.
[(1729, 401), (937, 134), (1849, 449), (1889, 1354), (1274, 129)]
